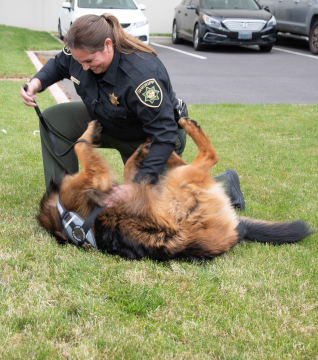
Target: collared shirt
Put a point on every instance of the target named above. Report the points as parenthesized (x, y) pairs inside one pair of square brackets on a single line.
[(133, 100)]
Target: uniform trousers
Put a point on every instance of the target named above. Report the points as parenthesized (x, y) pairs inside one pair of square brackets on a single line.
[(68, 122)]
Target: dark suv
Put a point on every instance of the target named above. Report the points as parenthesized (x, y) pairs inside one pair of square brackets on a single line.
[(225, 22), (297, 19)]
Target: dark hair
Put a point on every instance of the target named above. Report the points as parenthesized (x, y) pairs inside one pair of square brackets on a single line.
[(89, 33)]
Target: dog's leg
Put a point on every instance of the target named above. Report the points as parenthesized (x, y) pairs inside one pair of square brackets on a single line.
[(95, 173), (91, 134), (134, 163), (136, 160), (207, 156), (175, 161)]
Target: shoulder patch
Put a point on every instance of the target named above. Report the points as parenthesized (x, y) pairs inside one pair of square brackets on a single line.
[(150, 93), (66, 50)]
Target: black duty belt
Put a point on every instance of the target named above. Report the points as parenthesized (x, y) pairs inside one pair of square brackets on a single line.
[(180, 110)]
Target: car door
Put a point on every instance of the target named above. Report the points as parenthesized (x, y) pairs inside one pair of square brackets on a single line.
[(65, 18), (300, 13), (179, 16), (190, 15), (182, 23), (183, 17), (284, 15)]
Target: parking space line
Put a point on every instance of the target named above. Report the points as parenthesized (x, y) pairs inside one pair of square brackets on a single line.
[(296, 53), (180, 51)]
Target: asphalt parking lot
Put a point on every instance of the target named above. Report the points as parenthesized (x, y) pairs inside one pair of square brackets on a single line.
[(242, 74), (288, 74)]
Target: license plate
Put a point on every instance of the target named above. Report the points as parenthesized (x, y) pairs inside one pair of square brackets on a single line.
[(245, 35)]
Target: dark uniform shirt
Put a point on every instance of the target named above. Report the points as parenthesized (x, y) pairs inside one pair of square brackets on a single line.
[(133, 100)]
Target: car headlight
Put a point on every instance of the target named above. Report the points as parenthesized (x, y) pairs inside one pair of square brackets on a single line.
[(272, 21), (212, 21), (141, 23)]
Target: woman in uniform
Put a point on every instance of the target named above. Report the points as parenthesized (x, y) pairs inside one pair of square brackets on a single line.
[(124, 85)]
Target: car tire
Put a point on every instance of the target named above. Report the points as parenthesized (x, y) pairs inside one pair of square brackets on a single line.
[(313, 38), (196, 39), (175, 37), (60, 30), (265, 48)]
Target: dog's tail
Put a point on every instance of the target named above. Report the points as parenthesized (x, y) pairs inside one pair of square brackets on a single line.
[(276, 233)]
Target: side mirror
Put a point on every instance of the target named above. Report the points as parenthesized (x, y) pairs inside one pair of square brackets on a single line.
[(265, 7), (142, 7), (66, 5), (191, 7)]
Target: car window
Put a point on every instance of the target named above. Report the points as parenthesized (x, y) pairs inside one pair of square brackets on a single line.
[(194, 2), (230, 4), (187, 2), (107, 4)]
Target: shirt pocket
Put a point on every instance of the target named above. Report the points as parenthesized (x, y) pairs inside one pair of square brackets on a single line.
[(118, 116)]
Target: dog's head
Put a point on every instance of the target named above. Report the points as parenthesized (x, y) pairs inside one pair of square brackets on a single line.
[(76, 197)]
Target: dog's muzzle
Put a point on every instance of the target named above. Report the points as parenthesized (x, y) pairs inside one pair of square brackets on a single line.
[(78, 230)]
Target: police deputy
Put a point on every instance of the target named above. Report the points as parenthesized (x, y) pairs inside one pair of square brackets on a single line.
[(124, 85)]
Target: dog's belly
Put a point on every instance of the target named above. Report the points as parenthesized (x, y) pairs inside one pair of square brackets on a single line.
[(193, 223), (213, 224)]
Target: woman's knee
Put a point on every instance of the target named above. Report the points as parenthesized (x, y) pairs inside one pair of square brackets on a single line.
[(57, 114), (70, 119), (49, 112)]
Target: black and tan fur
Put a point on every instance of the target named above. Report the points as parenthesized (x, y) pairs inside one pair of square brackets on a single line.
[(187, 215)]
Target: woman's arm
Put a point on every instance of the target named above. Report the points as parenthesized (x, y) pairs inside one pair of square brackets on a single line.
[(53, 71), (151, 102)]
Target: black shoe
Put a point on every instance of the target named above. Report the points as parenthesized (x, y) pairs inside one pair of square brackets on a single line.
[(237, 198)]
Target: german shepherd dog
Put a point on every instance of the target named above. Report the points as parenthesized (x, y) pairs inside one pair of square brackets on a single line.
[(186, 215)]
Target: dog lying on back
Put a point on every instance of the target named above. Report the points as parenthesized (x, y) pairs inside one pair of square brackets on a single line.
[(187, 215)]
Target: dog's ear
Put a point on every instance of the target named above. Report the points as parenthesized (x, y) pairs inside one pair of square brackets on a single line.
[(54, 188), (49, 217)]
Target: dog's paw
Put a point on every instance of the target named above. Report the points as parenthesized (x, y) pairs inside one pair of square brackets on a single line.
[(97, 128), (92, 134), (147, 145)]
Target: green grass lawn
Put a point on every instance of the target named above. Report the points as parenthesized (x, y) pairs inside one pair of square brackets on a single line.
[(13, 43), (161, 34), (255, 302)]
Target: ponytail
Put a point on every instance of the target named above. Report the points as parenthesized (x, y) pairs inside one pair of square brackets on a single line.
[(89, 33)]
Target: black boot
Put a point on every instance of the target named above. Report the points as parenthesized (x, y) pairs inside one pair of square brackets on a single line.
[(236, 195)]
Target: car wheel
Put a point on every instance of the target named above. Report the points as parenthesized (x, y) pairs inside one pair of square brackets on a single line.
[(60, 31), (265, 48), (175, 37), (196, 39), (313, 38)]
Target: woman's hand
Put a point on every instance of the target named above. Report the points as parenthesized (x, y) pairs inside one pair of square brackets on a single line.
[(29, 96), (120, 192)]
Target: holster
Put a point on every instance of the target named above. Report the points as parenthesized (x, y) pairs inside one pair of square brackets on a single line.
[(180, 110)]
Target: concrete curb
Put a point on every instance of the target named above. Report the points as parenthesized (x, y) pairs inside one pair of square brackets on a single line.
[(55, 90), (57, 38)]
